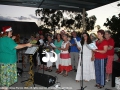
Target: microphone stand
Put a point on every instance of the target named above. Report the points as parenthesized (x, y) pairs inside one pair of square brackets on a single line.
[(81, 64), (84, 26)]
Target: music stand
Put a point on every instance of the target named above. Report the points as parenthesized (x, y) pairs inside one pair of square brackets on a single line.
[(30, 51)]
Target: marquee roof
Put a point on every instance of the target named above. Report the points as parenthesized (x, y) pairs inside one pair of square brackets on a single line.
[(71, 5)]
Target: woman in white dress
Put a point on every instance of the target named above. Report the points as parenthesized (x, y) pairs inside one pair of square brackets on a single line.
[(88, 64), (49, 48)]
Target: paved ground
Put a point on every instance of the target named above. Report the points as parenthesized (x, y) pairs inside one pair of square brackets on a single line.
[(67, 82)]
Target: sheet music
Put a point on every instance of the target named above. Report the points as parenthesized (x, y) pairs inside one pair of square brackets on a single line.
[(41, 42), (53, 45), (31, 50), (92, 46), (77, 42)]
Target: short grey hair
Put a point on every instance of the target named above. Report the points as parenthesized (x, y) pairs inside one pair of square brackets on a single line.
[(108, 31)]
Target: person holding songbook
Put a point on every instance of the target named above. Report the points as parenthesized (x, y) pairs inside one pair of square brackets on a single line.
[(33, 40), (8, 58), (49, 48), (88, 64), (100, 59), (58, 43), (74, 51), (41, 43)]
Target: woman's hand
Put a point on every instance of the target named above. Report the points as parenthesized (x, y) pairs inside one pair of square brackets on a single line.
[(48, 43), (102, 51), (74, 45), (94, 50), (13, 37), (53, 47), (59, 48), (28, 44), (79, 48), (92, 58), (19, 46)]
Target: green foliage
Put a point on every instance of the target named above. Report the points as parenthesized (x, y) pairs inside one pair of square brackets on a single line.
[(44, 30), (114, 25), (55, 19)]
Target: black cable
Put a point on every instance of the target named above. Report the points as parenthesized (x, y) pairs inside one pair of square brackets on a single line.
[(41, 3), (57, 81)]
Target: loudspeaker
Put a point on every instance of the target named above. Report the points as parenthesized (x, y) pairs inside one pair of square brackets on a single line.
[(44, 79)]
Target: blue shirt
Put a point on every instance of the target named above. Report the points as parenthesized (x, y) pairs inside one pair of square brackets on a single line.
[(74, 48)]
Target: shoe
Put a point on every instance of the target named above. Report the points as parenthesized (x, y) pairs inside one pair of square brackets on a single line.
[(50, 70), (107, 80), (65, 75), (97, 85), (86, 80), (61, 73), (58, 72), (100, 87), (77, 81)]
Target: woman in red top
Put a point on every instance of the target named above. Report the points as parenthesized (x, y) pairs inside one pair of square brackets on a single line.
[(100, 59), (110, 54)]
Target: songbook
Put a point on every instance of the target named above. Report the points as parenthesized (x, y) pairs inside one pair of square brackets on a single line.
[(31, 50), (92, 46), (41, 42), (77, 42), (53, 45)]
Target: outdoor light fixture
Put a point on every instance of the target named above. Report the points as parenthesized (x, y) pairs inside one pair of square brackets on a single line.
[(68, 6), (37, 12)]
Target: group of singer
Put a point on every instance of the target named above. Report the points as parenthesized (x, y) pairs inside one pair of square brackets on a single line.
[(97, 64)]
